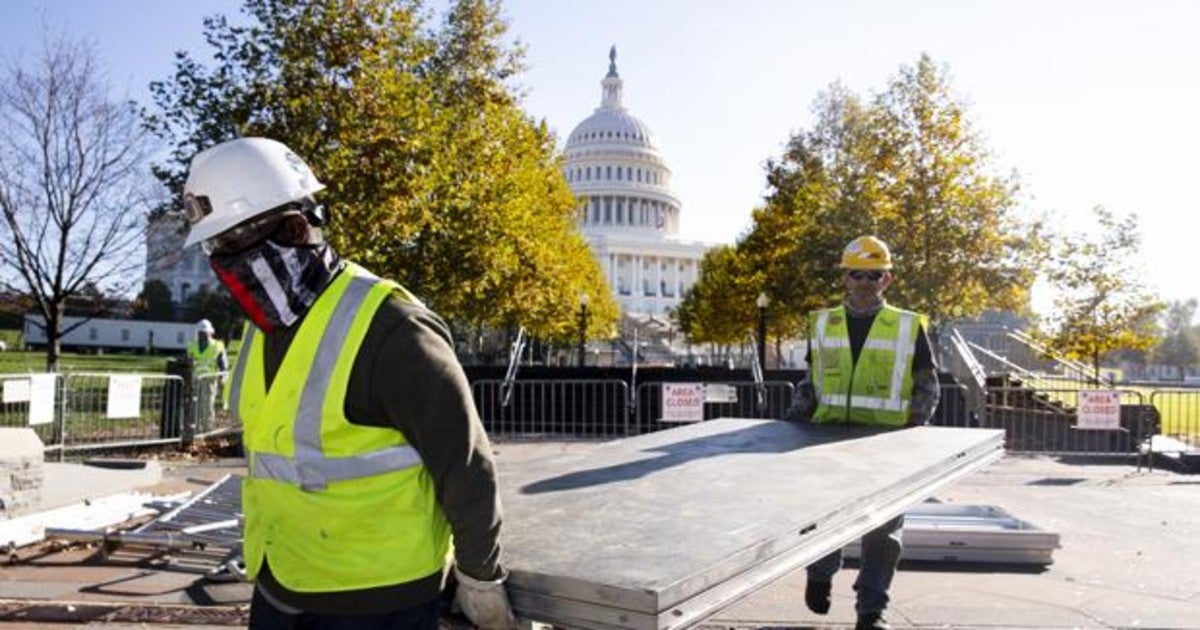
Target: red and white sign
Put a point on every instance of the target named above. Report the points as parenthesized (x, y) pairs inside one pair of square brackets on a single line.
[(1099, 409), (682, 402)]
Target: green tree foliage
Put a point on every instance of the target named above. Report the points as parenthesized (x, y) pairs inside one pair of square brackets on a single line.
[(154, 303), (1178, 347), (436, 176), (720, 308), (907, 167), (217, 307), (1099, 299)]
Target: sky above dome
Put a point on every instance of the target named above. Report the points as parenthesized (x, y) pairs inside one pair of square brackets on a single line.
[(1089, 102)]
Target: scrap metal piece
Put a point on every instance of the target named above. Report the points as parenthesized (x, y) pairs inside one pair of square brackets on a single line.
[(660, 531)]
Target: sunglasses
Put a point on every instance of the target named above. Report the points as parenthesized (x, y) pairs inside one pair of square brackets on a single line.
[(251, 233), (873, 276)]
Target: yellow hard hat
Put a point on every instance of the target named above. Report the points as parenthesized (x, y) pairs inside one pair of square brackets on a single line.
[(866, 252)]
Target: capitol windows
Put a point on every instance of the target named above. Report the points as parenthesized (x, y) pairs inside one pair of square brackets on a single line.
[(608, 172), (588, 172), (629, 173), (618, 173), (608, 210)]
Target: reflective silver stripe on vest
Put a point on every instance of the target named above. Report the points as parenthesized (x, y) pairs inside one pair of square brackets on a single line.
[(904, 350), (865, 402), (310, 469), (280, 468), (239, 371), (819, 334)]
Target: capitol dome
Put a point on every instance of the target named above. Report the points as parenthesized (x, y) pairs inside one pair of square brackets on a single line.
[(627, 211), (613, 164)]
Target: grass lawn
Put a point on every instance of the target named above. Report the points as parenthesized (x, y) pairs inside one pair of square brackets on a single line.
[(22, 362)]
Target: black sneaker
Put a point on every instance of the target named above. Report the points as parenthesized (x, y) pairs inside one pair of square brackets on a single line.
[(872, 621), (816, 595)]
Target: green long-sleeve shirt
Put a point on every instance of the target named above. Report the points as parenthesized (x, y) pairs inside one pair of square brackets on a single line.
[(407, 377)]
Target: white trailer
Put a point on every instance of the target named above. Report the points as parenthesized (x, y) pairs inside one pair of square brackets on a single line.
[(105, 335)]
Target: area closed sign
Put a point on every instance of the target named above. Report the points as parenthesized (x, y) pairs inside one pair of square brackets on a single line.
[(682, 402), (1099, 409)]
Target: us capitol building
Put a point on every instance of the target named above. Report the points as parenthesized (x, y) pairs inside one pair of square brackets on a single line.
[(628, 214)]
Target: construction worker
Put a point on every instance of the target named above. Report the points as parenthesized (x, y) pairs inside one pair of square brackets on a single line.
[(209, 361), (365, 453), (206, 353), (870, 363)]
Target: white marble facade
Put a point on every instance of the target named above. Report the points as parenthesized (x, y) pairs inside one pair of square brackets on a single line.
[(629, 214)]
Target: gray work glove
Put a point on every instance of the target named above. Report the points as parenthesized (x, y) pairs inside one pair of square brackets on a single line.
[(484, 602)]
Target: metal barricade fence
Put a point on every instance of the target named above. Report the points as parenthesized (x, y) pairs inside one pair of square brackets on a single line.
[(743, 403), (580, 408), (1045, 421), (955, 407), (1179, 411), (22, 406), (111, 410)]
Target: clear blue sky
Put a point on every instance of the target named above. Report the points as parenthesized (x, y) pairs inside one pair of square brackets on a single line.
[(1090, 102)]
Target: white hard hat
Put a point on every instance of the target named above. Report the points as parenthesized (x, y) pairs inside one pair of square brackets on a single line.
[(239, 180), (205, 326)]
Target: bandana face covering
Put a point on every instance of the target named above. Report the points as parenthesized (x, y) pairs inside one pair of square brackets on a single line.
[(275, 284)]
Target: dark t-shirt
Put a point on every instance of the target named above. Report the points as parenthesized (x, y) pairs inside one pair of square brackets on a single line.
[(407, 377)]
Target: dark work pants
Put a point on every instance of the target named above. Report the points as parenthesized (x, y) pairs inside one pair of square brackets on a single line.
[(880, 554), (264, 616)]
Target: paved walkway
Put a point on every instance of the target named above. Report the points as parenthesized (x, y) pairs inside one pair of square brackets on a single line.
[(1130, 557)]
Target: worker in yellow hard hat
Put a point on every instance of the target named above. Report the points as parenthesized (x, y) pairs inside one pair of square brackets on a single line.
[(869, 363)]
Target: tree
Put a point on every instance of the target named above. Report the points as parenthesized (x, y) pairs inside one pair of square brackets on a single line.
[(72, 185), (958, 246), (907, 167), (436, 177), (219, 308), (1099, 299), (1178, 346), (720, 307), (154, 303)]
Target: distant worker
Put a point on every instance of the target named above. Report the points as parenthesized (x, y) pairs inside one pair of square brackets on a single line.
[(365, 453), (870, 363), (205, 351), (209, 363)]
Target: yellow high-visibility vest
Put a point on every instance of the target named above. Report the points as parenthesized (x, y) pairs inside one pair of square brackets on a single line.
[(876, 389), (331, 505), (205, 361)]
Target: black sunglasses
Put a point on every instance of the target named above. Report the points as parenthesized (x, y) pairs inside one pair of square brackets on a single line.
[(873, 276)]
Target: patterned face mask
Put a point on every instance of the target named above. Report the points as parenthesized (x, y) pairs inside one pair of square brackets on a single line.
[(275, 284)]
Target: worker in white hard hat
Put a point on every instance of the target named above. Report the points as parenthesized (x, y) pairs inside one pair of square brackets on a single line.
[(209, 362), (366, 455), (206, 352), (869, 363)]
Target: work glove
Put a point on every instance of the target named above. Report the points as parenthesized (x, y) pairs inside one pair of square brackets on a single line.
[(484, 602)]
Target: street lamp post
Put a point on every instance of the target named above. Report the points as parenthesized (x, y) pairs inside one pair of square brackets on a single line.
[(762, 302), (583, 321)]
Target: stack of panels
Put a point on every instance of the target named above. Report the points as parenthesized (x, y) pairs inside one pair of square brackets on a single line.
[(662, 530)]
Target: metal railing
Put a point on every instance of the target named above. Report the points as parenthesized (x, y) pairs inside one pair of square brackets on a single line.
[(1046, 421), (1180, 415), (743, 403), (581, 408)]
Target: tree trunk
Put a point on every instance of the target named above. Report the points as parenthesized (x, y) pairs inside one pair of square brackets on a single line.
[(53, 337)]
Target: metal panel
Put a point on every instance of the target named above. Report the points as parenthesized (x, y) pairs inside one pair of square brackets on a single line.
[(661, 530), (941, 532)]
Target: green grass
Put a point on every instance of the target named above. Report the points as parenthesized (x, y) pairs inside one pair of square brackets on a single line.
[(21, 362)]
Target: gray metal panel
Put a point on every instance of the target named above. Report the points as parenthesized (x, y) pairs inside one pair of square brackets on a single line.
[(660, 530), (945, 532)]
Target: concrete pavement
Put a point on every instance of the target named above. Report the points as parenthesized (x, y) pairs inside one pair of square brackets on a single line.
[(1130, 557)]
